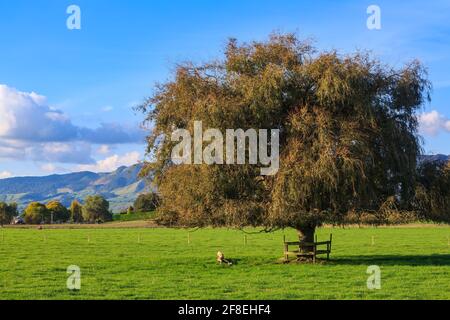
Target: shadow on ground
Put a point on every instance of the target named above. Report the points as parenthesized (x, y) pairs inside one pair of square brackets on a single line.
[(394, 260)]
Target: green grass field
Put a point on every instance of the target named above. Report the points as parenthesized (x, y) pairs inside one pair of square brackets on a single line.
[(134, 216), (414, 261)]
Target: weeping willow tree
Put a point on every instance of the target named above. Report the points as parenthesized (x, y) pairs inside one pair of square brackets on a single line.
[(348, 135)]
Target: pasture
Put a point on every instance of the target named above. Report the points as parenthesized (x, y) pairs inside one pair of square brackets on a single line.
[(160, 263)]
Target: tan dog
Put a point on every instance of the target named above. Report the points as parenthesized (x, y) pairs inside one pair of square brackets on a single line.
[(221, 258)]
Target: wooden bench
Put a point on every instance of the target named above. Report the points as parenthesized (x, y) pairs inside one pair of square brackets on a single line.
[(301, 252)]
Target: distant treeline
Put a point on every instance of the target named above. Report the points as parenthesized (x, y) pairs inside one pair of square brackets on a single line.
[(95, 209)]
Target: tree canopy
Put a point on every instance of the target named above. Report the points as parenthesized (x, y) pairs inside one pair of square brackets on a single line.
[(57, 211), (146, 202), (36, 213), (76, 212), (7, 212), (95, 209), (348, 135)]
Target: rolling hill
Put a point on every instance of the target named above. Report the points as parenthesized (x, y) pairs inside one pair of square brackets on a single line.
[(434, 158), (120, 187)]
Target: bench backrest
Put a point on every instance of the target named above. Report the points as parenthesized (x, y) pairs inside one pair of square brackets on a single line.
[(309, 244)]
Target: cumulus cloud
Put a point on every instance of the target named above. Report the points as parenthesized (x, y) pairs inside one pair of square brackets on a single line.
[(5, 174), (432, 123), (76, 152), (112, 163), (30, 129), (26, 116)]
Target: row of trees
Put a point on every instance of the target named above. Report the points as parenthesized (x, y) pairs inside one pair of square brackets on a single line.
[(95, 209), (349, 138)]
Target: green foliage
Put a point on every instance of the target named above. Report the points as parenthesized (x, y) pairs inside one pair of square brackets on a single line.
[(7, 212), (36, 213), (76, 212), (58, 211), (348, 135), (96, 209), (146, 202)]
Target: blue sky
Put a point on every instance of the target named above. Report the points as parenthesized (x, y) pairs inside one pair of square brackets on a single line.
[(83, 83)]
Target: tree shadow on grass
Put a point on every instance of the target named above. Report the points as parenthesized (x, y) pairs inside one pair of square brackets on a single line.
[(394, 260)]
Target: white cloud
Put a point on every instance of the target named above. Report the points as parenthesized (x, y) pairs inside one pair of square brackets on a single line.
[(32, 130), (5, 174), (447, 125), (8, 149), (27, 117), (48, 167), (103, 149), (431, 123), (52, 168), (62, 152), (73, 152), (112, 163)]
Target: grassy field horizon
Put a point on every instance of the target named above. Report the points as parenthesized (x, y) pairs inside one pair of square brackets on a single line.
[(161, 263)]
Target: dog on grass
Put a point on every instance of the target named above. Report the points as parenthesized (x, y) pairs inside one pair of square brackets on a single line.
[(220, 258)]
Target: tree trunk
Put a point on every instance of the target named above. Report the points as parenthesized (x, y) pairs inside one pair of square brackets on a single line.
[(306, 235)]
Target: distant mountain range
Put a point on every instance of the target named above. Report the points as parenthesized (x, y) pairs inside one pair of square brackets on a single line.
[(120, 187), (434, 158)]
